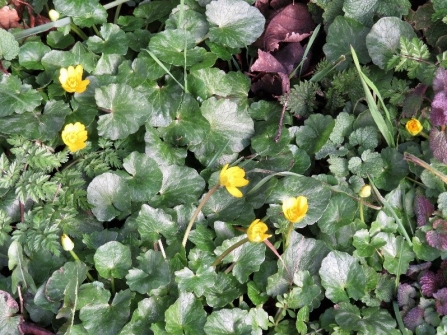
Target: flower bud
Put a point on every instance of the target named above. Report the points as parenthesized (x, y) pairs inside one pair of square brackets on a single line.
[(365, 192), (67, 243), (54, 15)]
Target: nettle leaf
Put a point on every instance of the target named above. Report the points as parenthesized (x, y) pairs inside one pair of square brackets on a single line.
[(9, 321), (230, 129), (146, 177), (314, 134), (71, 273), (397, 253), (127, 110), (383, 40), (234, 23), (365, 138), (153, 272), (340, 212), (186, 316), (302, 254), (84, 13), (113, 40), (104, 318), (16, 97), (342, 277), (31, 53), (153, 222), (9, 47), (188, 281), (228, 321), (112, 260), (293, 186), (109, 195), (342, 33), (170, 46)]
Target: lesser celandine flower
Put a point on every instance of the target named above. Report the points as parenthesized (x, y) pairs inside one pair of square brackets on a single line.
[(256, 232), (232, 178), (74, 136), (71, 79), (67, 243), (295, 209), (413, 126)]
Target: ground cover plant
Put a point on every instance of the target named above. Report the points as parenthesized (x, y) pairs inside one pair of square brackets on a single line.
[(223, 167)]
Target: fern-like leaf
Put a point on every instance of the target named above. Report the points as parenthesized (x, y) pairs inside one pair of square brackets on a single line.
[(302, 98)]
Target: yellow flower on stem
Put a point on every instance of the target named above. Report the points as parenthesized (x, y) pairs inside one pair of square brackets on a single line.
[(413, 126), (71, 79), (74, 136), (295, 209), (256, 232), (232, 178)]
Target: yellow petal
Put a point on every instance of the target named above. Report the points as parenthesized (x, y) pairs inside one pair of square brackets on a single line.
[(234, 191)]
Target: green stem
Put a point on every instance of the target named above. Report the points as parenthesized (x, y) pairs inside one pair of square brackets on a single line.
[(362, 218), (96, 31), (112, 282), (78, 31), (114, 4), (117, 13), (229, 250), (423, 134), (289, 233), (73, 254), (196, 213)]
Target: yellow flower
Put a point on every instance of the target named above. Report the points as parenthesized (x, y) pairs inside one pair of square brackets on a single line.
[(74, 136), (232, 178), (365, 191), (67, 243), (71, 79), (295, 209), (256, 231), (413, 126)]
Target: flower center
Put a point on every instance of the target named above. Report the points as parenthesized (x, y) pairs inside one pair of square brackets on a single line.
[(72, 82), (72, 138)]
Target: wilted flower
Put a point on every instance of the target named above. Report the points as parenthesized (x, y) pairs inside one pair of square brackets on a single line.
[(71, 79), (67, 243), (365, 191), (295, 209), (256, 231), (54, 15), (413, 126), (74, 136), (232, 178)]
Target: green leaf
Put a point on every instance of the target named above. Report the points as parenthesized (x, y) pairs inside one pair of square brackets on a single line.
[(342, 33), (370, 163), (162, 152), (105, 318), (307, 292), (18, 264), (16, 97), (224, 207), (109, 195), (383, 40), (339, 213), (127, 110), (188, 281), (342, 277), (314, 134), (155, 10), (153, 222), (360, 10), (9, 47), (186, 316), (397, 253), (364, 245), (31, 53), (365, 138), (112, 260), (248, 257), (225, 289), (190, 20), (85, 14), (93, 292), (152, 273), (234, 23), (228, 321), (68, 275), (146, 177), (394, 170), (9, 321), (113, 40), (57, 40)]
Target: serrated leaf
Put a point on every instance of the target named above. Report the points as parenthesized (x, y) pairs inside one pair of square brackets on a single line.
[(186, 316), (112, 40), (234, 23), (16, 97), (314, 134), (153, 222), (395, 168), (342, 277), (365, 138), (370, 163), (109, 195), (112, 260), (364, 245), (127, 110), (9, 321), (9, 47)]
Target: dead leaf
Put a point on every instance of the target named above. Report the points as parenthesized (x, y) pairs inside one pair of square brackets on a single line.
[(290, 56), (8, 18), (266, 62)]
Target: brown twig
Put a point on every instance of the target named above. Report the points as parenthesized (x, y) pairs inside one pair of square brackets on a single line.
[(31, 328), (281, 119)]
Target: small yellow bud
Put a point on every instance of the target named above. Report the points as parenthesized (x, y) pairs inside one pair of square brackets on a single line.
[(54, 15), (365, 192), (67, 243)]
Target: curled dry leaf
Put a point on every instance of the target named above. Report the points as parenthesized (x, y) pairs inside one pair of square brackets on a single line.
[(8, 18)]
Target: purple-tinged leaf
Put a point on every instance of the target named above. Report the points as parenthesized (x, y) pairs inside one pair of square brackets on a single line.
[(413, 101), (438, 114), (414, 270), (429, 283), (440, 81), (438, 144), (423, 209), (414, 318), (437, 238), (405, 295), (441, 301)]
